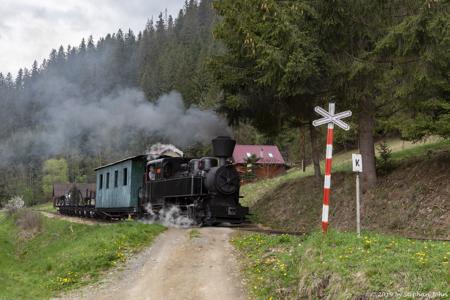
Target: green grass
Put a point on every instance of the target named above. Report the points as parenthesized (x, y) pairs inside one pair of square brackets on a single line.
[(64, 255), (342, 266), (421, 150), (194, 233), (252, 192), (48, 207)]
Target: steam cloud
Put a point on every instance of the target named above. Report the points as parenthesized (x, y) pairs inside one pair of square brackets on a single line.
[(169, 217), (67, 123)]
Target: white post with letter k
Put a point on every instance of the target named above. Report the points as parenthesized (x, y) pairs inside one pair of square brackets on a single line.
[(357, 167)]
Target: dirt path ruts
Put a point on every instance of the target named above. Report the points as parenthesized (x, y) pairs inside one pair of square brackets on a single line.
[(176, 266), (73, 219)]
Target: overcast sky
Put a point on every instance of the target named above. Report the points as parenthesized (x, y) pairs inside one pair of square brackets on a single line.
[(29, 29)]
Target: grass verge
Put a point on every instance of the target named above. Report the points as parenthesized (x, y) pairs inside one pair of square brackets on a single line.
[(342, 266), (64, 255), (48, 207)]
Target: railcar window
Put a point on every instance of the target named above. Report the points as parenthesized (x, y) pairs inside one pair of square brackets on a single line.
[(125, 176), (101, 181), (107, 180), (116, 178)]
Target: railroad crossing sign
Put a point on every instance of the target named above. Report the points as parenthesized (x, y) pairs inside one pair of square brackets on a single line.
[(330, 118)]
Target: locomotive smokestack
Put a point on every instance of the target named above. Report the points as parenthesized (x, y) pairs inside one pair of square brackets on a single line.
[(223, 147)]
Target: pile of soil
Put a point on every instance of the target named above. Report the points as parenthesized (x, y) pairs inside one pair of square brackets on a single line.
[(412, 200)]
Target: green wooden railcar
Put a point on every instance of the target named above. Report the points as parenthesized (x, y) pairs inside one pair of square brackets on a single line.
[(118, 185)]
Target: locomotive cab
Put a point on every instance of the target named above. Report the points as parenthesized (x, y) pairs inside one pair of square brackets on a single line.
[(165, 168)]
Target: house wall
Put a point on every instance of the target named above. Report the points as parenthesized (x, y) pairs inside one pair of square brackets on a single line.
[(263, 170), (269, 171)]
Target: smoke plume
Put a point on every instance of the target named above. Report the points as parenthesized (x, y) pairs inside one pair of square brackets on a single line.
[(63, 122)]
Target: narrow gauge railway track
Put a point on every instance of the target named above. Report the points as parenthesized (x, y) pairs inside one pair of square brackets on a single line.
[(272, 231), (255, 228), (258, 229)]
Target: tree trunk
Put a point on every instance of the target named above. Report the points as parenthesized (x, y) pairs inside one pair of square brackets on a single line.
[(366, 142), (302, 146), (315, 152)]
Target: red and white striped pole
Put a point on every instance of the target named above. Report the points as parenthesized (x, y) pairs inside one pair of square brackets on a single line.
[(327, 180), (329, 117)]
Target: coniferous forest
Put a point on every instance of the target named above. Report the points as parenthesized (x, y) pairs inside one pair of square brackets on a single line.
[(261, 65)]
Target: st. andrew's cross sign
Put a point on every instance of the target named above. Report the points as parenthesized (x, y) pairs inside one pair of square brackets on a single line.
[(330, 118)]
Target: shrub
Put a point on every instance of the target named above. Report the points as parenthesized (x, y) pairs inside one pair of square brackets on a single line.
[(251, 166), (29, 220), (14, 205), (384, 162)]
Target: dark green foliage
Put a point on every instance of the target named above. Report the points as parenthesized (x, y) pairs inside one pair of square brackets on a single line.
[(166, 55), (387, 60), (384, 161), (265, 66), (173, 55), (272, 70), (417, 52), (250, 167)]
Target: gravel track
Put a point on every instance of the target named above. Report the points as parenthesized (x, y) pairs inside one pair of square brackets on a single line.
[(176, 266)]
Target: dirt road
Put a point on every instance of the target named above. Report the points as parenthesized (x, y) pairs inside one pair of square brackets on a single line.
[(72, 219), (179, 265)]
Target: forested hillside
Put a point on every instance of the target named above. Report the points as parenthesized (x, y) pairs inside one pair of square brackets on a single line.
[(261, 64), (63, 106)]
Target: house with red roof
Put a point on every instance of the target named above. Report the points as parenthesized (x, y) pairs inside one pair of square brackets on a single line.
[(269, 161)]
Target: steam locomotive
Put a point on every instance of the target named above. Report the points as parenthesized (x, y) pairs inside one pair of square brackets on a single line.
[(206, 189)]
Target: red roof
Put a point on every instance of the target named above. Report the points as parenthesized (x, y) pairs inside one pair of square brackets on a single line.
[(269, 154)]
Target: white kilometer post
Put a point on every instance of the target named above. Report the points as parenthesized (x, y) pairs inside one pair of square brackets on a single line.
[(357, 167)]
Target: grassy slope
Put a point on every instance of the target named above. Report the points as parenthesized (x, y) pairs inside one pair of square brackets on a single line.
[(64, 255), (341, 162), (342, 266), (412, 200)]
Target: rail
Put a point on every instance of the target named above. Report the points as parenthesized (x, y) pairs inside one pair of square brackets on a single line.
[(258, 229)]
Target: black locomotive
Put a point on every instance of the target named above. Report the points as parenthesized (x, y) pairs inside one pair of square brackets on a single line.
[(206, 190)]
